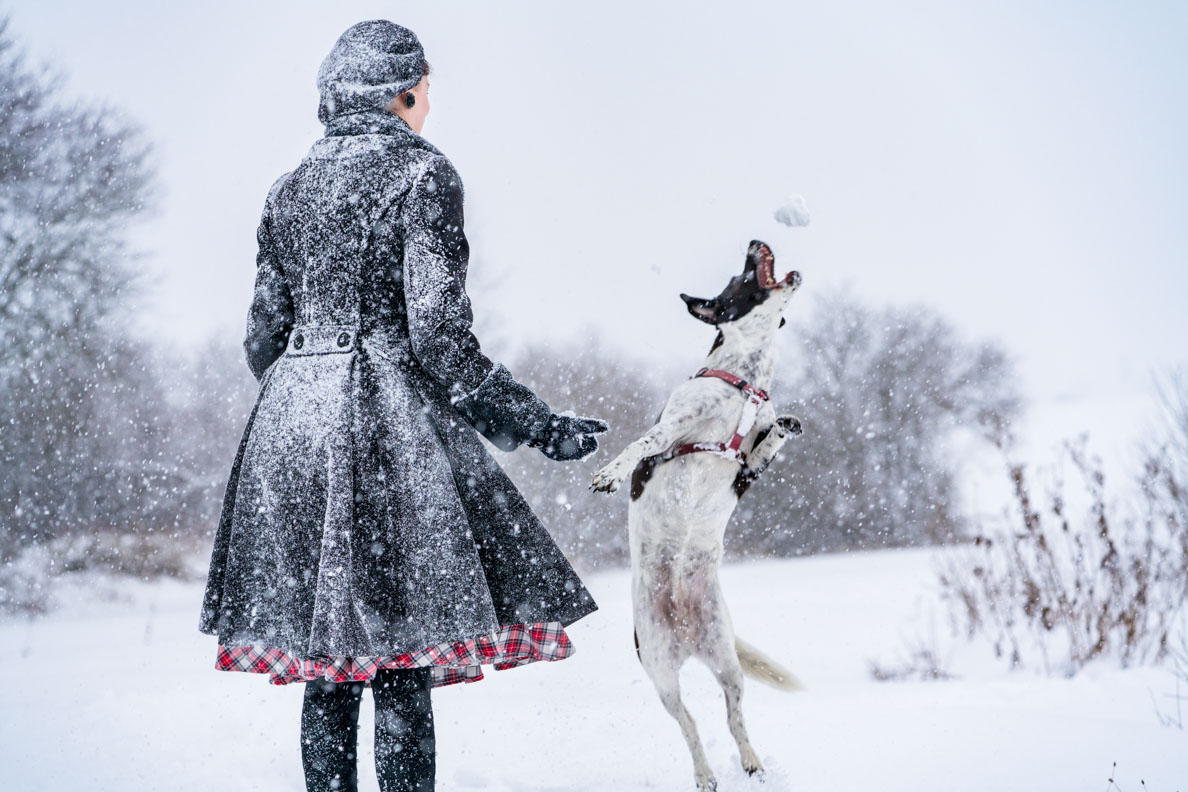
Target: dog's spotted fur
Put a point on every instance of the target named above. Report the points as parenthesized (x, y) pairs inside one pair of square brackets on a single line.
[(679, 509)]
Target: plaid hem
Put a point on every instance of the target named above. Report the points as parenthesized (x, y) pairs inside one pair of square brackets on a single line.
[(452, 662)]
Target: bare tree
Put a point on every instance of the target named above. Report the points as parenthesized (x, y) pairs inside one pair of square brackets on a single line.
[(879, 391), (70, 177), (76, 402)]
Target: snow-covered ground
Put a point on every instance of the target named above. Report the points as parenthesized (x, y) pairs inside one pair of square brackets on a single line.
[(116, 691)]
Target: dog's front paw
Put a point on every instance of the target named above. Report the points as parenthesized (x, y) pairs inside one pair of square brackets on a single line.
[(611, 476), (789, 423)]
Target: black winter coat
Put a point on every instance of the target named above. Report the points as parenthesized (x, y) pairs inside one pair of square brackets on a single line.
[(363, 516)]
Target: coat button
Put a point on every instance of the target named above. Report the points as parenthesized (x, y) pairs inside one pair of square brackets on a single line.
[(298, 341), (344, 338)]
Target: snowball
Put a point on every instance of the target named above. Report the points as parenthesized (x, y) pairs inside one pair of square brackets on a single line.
[(793, 213)]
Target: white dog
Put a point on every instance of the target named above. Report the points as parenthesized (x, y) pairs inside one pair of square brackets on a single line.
[(681, 500)]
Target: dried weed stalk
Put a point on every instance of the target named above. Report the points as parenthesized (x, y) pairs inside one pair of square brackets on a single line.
[(1109, 583)]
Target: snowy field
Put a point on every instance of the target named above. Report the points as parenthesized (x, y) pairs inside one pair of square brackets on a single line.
[(116, 691)]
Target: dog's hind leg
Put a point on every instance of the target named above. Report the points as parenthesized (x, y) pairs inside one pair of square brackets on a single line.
[(728, 672), (718, 652), (667, 682)]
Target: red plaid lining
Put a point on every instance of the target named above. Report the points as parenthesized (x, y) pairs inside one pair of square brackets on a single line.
[(460, 661)]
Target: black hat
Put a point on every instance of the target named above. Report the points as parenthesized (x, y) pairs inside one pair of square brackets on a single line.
[(370, 63)]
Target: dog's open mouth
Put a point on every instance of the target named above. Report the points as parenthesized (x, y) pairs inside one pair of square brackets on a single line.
[(765, 270)]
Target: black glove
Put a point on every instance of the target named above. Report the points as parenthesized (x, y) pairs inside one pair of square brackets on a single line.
[(566, 437)]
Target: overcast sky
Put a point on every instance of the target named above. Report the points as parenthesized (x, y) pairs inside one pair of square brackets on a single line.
[(1020, 168)]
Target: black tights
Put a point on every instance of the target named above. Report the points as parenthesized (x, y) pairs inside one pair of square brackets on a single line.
[(404, 745)]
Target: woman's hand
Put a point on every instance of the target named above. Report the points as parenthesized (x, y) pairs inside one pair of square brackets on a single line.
[(567, 437)]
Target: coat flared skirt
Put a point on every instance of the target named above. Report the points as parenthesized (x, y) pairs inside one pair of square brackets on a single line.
[(365, 526)]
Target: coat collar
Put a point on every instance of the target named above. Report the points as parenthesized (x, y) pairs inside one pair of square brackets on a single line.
[(382, 122)]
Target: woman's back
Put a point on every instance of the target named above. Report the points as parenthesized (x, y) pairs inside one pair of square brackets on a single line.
[(336, 226)]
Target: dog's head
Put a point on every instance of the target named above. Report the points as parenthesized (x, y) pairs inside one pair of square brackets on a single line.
[(755, 293)]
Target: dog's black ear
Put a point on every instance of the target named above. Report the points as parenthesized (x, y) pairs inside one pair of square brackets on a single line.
[(705, 310), (783, 321)]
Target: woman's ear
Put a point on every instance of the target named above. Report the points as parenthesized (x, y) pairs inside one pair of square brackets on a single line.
[(705, 310)]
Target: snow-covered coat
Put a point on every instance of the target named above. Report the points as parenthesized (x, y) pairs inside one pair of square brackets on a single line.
[(363, 516)]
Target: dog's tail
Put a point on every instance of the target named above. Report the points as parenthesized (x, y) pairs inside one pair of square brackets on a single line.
[(759, 666)]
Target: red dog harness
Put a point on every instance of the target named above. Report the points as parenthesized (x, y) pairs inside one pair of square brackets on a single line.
[(729, 450)]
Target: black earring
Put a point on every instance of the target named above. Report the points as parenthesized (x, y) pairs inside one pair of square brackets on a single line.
[(409, 99)]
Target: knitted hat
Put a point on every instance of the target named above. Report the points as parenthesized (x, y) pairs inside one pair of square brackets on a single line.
[(370, 63)]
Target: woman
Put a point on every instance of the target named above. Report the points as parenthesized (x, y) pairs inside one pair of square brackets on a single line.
[(367, 538)]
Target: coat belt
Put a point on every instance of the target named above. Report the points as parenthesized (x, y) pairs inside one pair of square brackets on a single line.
[(322, 339), (325, 339)]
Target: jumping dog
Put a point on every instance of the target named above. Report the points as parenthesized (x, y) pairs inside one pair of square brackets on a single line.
[(685, 483)]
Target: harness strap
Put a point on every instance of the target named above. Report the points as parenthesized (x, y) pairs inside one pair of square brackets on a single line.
[(729, 450)]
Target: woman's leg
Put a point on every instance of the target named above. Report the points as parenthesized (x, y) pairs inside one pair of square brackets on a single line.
[(329, 729), (405, 754)]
